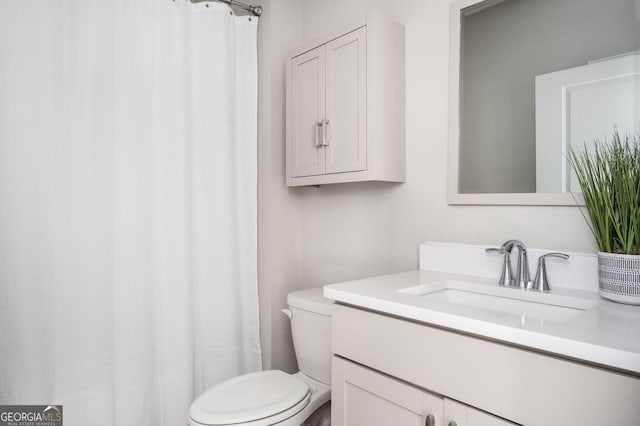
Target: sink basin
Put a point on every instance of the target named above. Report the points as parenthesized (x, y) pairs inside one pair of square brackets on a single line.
[(530, 304)]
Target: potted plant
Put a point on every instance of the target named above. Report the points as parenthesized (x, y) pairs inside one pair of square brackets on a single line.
[(609, 176)]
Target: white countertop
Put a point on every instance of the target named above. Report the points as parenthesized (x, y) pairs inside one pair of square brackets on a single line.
[(605, 333)]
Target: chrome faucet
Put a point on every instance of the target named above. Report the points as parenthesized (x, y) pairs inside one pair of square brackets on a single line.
[(522, 277)]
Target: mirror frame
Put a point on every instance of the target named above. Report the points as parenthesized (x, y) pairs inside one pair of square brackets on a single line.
[(453, 196)]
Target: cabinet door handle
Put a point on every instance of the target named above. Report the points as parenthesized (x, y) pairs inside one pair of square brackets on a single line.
[(319, 127), (430, 420), (325, 132), (452, 423)]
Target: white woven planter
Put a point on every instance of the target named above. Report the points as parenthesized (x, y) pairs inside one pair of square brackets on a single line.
[(619, 277)]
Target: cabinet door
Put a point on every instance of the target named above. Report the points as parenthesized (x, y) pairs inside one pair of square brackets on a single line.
[(346, 103), (307, 110), (457, 414), (365, 397)]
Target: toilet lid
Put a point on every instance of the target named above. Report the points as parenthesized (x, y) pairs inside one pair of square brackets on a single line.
[(248, 397)]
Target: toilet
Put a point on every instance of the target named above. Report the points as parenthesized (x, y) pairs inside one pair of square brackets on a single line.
[(273, 397)]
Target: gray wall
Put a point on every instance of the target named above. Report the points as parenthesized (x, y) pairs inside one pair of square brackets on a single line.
[(278, 210), (504, 47), (309, 237)]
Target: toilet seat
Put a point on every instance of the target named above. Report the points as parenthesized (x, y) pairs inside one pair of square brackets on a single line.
[(261, 398)]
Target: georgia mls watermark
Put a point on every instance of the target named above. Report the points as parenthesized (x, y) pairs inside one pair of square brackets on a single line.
[(30, 415)]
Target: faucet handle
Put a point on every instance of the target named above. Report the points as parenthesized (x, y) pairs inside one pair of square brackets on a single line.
[(541, 281), (495, 250), (506, 276)]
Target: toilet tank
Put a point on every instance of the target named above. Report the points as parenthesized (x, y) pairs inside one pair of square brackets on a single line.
[(311, 332)]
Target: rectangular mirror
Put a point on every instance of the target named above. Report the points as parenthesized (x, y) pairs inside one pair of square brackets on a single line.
[(529, 79)]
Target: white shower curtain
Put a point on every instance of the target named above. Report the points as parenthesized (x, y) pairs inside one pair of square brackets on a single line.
[(127, 206)]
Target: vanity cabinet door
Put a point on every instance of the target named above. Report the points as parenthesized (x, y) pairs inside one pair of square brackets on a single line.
[(457, 414), (361, 396)]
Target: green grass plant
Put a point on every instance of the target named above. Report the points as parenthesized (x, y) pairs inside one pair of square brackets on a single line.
[(609, 176)]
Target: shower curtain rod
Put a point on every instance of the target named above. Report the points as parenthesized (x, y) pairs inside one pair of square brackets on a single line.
[(254, 10)]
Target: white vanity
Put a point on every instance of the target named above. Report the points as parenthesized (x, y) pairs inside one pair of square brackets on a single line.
[(435, 347)]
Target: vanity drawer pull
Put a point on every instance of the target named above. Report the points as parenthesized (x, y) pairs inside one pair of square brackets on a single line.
[(430, 420)]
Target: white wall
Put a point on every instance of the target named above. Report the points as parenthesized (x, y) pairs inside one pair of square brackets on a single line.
[(312, 236)]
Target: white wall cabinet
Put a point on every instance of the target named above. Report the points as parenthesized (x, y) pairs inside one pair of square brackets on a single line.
[(345, 106), (362, 396)]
